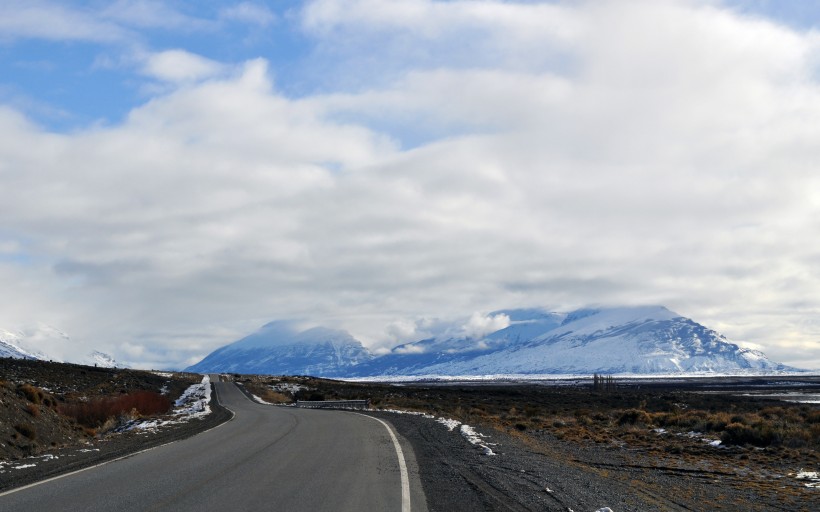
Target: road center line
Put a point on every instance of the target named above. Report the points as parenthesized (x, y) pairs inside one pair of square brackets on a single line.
[(405, 479)]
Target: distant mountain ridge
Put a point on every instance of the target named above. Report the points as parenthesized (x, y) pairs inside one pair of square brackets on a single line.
[(27, 345), (619, 340), (10, 347), (643, 340)]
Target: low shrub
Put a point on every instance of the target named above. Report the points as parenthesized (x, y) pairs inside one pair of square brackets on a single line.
[(531, 411), (26, 430), (741, 434), (635, 417), (32, 394)]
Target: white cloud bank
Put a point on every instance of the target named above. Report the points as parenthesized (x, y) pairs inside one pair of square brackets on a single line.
[(558, 155)]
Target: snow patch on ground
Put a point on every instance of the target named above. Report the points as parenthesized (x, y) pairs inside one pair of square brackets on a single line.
[(260, 400), (812, 478), (468, 432), (28, 462), (288, 387), (798, 397), (717, 443), (409, 413), (193, 403), (476, 439), (449, 423)]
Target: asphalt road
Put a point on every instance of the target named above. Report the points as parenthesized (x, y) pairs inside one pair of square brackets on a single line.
[(266, 458)]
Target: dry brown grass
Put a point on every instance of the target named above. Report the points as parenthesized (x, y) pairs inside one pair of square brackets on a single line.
[(98, 412), (274, 397), (33, 394)]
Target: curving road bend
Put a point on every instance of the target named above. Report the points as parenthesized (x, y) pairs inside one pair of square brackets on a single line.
[(265, 458)]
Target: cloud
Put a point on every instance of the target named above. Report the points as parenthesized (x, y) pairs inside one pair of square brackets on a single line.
[(513, 22), (354, 38), (250, 13), (152, 14), (23, 19), (655, 152), (480, 325), (117, 22), (180, 66)]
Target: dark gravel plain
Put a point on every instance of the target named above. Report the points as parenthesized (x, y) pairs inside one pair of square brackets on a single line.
[(553, 475)]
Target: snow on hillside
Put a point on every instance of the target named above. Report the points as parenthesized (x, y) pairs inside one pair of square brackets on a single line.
[(636, 340), (101, 359), (48, 344)]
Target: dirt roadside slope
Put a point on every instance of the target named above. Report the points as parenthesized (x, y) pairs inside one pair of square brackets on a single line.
[(37, 442)]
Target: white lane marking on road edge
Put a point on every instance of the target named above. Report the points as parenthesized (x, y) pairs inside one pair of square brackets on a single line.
[(47, 480), (405, 479)]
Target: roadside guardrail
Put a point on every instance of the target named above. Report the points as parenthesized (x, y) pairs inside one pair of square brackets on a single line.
[(334, 404)]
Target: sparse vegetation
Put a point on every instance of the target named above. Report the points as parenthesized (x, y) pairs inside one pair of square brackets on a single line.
[(32, 394), (656, 417), (95, 413)]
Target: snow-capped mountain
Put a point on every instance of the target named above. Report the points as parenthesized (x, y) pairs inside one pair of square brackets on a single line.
[(11, 346), (45, 343), (280, 348), (415, 358), (639, 340), (24, 344), (626, 340)]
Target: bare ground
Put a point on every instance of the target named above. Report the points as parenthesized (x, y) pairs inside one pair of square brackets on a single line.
[(572, 448), (556, 448)]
